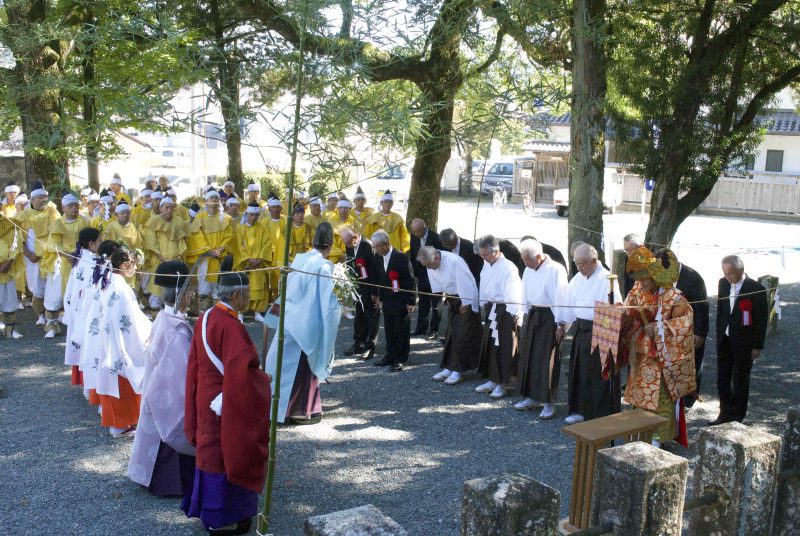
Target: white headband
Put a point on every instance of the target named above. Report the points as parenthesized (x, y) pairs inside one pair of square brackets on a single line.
[(253, 210), (387, 197), (21, 199), (344, 203), (273, 202), (315, 201), (86, 191), (231, 201), (116, 180), (93, 197), (253, 188), (107, 199), (210, 194), (360, 195), (157, 195), (122, 207), (229, 183), (167, 201), (13, 189), (145, 192), (192, 213), (38, 192), (333, 196), (69, 199)]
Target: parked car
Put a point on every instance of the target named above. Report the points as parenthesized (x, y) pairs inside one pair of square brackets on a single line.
[(397, 179), (612, 195), (500, 176)]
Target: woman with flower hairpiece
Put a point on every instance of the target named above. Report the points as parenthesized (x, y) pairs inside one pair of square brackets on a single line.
[(657, 340)]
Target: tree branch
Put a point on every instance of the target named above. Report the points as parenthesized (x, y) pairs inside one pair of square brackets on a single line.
[(761, 98), (498, 45)]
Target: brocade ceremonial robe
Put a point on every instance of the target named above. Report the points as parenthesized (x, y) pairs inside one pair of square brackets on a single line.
[(311, 324), (394, 225), (235, 443), (163, 406)]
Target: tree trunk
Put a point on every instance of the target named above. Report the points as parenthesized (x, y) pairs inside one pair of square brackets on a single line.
[(433, 153), (227, 89), (587, 155), (90, 108), (36, 73)]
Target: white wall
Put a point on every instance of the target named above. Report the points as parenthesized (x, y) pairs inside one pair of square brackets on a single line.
[(790, 145)]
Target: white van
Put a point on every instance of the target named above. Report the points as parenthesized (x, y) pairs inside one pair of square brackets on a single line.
[(612, 194)]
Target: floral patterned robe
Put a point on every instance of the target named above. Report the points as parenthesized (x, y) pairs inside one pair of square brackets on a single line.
[(670, 358)]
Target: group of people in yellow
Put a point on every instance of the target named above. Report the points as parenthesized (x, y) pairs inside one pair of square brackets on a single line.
[(38, 242)]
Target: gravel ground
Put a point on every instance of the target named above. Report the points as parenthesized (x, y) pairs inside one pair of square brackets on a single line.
[(397, 440)]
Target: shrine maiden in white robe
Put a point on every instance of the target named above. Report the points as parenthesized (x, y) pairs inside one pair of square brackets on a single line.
[(76, 301), (162, 411), (311, 323)]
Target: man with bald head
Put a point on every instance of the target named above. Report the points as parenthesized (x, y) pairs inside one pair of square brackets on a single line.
[(429, 315)]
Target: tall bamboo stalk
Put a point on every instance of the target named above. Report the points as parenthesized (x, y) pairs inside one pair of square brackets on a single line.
[(263, 518)]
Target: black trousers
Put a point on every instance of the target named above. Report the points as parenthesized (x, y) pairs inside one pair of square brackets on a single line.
[(430, 313), (589, 394), (733, 380), (699, 353), (397, 328), (366, 324)]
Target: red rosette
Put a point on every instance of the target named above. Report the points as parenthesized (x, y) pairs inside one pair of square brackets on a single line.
[(745, 305), (394, 278), (362, 267)]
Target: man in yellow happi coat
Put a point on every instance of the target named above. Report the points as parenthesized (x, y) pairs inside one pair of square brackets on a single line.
[(210, 240), (254, 250), (11, 238), (344, 218), (56, 262), (391, 222), (276, 231), (123, 229), (361, 212), (302, 232), (108, 205), (658, 340), (180, 211), (315, 215), (165, 239), (35, 221), (253, 194), (143, 209), (9, 207), (289, 204), (232, 206), (330, 206), (21, 204), (91, 204)]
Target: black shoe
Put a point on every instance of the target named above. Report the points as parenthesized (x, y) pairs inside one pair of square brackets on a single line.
[(242, 527), (350, 351), (719, 420), (397, 367), (383, 363), (303, 420), (369, 355), (356, 350), (433, 335)]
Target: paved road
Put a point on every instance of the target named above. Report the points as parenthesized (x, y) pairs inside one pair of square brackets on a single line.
[(399, 441)]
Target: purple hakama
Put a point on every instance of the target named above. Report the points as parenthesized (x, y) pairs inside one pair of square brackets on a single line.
[(217, 502), (306, 399), (173, 473)]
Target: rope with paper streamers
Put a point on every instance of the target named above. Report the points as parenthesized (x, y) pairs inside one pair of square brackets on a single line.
[(289, 269)]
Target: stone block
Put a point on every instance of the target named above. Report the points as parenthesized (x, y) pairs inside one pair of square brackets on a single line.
[(362, 521), (509, 505), (787, 515), (740, 464), (640, 490)]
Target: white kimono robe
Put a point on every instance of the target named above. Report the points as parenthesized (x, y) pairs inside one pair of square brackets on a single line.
[(162, 410), (123, 330), (76, 301), (311, 324)]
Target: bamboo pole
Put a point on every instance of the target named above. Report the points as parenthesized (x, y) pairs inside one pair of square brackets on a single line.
[(264, 517)]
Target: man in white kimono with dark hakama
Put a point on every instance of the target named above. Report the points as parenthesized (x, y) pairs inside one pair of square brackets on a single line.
[(448, 273), (162, 459), (311, 324)]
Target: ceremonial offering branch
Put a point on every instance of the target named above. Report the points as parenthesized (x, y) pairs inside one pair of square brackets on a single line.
[(263, 518)]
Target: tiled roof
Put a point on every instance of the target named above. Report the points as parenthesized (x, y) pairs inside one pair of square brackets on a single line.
[(782, 122)]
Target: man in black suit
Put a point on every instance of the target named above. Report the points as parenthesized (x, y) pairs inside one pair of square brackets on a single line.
[(394, 274), (430, 314), (742, 315), (361, 258), (691, 284), (464, 249)]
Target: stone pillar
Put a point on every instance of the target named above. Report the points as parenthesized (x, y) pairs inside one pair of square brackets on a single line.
[(509, 505), (639, 489), (364, 521), (770, 282), (787, 515), (740, 464)]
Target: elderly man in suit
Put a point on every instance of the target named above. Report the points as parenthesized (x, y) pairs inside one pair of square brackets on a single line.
[(361, 258), (742, 315), (430, 315), (464, 249), (396, 298)]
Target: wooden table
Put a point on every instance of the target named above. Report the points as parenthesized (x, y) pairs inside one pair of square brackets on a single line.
[(591, 436)]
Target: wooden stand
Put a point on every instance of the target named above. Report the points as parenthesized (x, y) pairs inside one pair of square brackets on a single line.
[(591, 436)]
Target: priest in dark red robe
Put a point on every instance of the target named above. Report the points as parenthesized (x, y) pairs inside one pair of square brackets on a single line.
[(227, 414)]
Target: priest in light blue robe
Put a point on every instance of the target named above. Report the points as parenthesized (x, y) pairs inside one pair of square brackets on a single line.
[(311, 324)]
